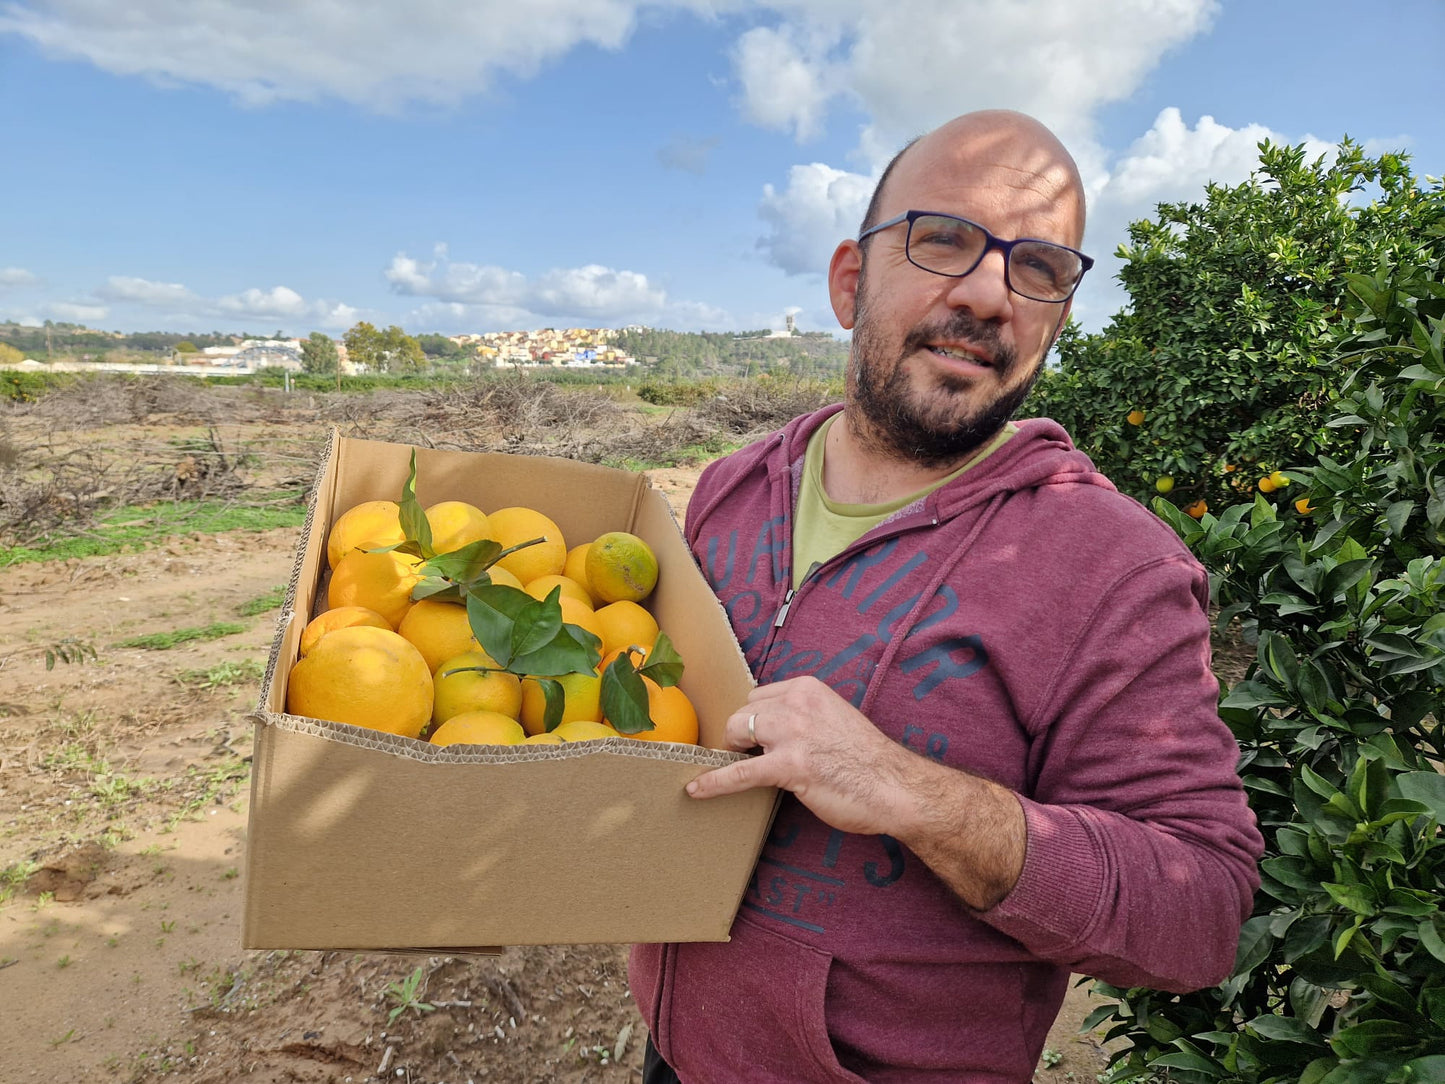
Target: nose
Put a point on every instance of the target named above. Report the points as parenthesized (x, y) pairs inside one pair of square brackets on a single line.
[(984, 290)]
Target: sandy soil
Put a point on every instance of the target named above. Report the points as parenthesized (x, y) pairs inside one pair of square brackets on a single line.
[(123, 785)]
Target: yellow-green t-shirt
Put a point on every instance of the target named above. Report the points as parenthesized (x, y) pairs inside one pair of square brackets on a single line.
[(823, 528)]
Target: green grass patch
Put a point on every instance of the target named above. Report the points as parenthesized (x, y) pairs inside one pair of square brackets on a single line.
[(271, 600), (224, 674), (164, 641), (689, 456), (135, 527)]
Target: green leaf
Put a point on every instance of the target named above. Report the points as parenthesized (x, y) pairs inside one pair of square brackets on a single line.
[(537, 625), (1344, 576), (414, 523), (1279, 658), (491, 612), (1255, 943), (1353, 897), (1372, 1037), (1427, 788), (1431, 939), (624, 697), (554, 696), (1197, 1063), (467, 564), (1252, 694), (663, 664), (1284, 1029), (1397, 515)]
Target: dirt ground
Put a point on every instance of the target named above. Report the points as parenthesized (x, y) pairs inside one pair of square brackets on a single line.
[(123, 801)]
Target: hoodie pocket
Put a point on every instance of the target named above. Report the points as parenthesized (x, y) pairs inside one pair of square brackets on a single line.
[(749, 1011)]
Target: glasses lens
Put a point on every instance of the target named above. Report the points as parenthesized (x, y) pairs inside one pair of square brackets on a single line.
[(1043, 271), (945, 246)]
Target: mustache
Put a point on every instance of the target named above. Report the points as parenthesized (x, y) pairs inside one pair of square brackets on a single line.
[(963, 326)]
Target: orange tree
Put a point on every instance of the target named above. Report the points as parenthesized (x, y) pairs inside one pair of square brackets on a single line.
[(1215, 374), (1340, 972)]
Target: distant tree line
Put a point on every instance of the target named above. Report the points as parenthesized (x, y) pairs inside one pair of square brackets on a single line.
[(746, 353)]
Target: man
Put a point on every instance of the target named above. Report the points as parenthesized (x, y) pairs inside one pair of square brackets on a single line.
[(983, 677)]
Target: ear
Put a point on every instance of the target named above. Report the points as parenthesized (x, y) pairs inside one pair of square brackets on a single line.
[(843, 270)]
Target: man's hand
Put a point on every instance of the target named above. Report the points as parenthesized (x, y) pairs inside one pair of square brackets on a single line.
[(816, 745)]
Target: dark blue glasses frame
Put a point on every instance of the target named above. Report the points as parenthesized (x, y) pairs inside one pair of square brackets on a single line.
[(1072, 270)]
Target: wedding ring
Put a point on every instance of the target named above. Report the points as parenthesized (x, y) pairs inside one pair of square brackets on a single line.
[(752, 729)]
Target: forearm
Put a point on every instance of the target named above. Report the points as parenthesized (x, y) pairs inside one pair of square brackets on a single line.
[(969, 831)]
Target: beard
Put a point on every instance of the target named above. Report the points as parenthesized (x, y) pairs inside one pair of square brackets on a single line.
[(941, 429)]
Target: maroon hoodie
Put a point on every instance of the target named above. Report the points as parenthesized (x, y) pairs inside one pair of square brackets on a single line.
[(1025, 622)]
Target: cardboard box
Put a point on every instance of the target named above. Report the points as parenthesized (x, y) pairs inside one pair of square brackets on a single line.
[(365, 840)]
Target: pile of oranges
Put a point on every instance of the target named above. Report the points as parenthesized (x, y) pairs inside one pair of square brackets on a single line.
[(377, 657)]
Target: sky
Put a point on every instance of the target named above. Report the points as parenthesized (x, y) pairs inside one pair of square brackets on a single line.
[(301, 165)]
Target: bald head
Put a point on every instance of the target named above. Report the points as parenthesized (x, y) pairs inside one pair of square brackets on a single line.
[(1011, 153)]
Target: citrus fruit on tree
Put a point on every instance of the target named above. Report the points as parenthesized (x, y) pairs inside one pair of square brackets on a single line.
[(1279, 478), (575, 567), (1135, 417), (369, 525), (1197, 509), (364, 676), (439, 630), (581, 700), (584, 730), (625, 624), (515, 525), (542, 585), (455, 524), (621, 566), (342, 617), (1267, 484), (1303, 506), (673, 716), (1165, 484), (479, 728), (459, 687), (378, 581)]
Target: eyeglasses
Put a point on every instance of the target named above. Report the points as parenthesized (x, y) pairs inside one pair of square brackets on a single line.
[(952, 246)]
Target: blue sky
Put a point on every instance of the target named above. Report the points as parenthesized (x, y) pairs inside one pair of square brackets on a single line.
[(504, 164)]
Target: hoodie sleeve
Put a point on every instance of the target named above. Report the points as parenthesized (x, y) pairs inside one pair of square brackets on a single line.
[(1141, 849)]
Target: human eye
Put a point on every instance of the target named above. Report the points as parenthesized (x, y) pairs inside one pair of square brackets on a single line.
[(1048, 266)]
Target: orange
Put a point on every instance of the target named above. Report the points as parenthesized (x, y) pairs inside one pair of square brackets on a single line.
[(581, 700), (673, 716), (503, 578), (364, 676), (369, 525), (625, 624), (1267, 484), (539, 588), (459, 690), (1135, 417), (479, 728), (1165, 484), (378, 581), (514, 525), (439, 630), (575, 567), (584, 730), (1197, 509), (621, 566), (542, 739), (1303, 506), (454, 524), (341, 618)]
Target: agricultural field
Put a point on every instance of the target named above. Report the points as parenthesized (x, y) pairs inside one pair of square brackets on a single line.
[(148, 531)]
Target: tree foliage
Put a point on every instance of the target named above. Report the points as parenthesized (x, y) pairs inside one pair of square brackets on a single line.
[(319, 354), (1340, 972), (389, 351), (1225, 349)]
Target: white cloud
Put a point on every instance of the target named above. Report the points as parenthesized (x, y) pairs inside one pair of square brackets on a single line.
[(123, 288), (373, 52), (787, 78), (591, 294), (76, 312), (819, 207), (11, 277)]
